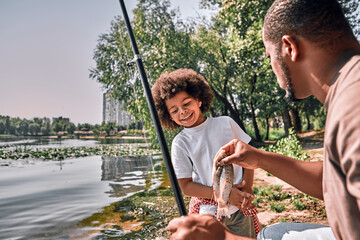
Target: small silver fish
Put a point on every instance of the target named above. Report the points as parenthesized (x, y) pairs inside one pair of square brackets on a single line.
[(223, 179)]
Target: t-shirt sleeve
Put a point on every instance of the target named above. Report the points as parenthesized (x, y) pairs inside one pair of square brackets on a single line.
[(347, 139), (238, 132), (181, 162)]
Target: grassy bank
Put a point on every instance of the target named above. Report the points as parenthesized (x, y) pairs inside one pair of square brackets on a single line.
[(145, 215)]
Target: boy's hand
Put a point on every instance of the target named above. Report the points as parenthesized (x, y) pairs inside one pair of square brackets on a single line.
[(241, 199)]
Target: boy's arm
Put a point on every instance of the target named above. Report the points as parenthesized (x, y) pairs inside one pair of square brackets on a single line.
[(193, 189), (249, 180)]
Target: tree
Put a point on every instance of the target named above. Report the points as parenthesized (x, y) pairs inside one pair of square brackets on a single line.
[(2, 128), (164, 45), (34, 128), (23, 127), (108, 127), (70, 128), (56, 127), (218, 67), (46, 127), (351, 10), (242, 21)]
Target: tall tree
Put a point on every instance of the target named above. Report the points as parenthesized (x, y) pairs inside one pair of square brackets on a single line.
[(164, 45)]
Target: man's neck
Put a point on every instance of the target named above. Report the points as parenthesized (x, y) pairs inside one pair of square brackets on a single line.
[(330, 71)]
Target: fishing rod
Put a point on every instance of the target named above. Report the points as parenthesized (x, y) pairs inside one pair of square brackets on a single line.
[(154, 115)]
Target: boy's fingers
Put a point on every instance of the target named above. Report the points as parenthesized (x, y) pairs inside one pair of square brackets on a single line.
[(240, 185)]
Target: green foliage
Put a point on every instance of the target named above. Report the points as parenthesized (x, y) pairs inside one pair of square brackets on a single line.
[(228, 51), (350, 8), (277, 207), (299, 205), (289, 146)]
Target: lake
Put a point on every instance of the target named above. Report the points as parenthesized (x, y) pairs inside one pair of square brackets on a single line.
[(45, 199)]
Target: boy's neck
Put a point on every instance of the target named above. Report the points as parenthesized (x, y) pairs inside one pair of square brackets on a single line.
[(200, 120)]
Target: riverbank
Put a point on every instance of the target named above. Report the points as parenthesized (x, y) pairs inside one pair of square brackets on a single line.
[(145, 215)]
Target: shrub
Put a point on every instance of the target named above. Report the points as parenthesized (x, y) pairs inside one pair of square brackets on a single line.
[(289, 146), (299, 205), (277, 207)]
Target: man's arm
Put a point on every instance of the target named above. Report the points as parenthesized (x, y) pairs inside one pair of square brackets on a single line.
[(305, 176)]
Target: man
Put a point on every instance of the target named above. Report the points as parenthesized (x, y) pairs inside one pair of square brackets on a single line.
[(313, 51)]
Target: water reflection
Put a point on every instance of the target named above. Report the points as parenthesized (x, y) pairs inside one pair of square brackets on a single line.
[(44, 200), (129, 174)]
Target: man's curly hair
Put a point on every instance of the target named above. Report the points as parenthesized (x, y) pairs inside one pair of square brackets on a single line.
[(169, 84)]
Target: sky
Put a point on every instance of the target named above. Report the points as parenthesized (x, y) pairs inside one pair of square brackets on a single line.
[(46, 51)]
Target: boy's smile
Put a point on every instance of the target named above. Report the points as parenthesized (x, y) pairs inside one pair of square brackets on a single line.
[(184, 110)]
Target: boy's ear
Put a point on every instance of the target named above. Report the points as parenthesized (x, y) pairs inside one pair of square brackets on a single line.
[(199, 103)]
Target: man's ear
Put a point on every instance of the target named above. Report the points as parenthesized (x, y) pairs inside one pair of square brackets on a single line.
[(291, 47)]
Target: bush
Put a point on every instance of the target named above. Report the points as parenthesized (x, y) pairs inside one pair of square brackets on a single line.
[(299, 205), (277, 207), (289, 146)]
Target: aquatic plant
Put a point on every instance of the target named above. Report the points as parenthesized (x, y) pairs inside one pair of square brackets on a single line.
[(136, 149)]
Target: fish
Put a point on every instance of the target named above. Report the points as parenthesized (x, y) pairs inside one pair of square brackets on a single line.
[(223, 181)]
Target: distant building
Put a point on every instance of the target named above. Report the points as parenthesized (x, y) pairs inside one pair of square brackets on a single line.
[(113, 111)]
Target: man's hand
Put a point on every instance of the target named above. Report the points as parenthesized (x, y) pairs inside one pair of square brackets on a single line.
[(196, 227), (241, 154), (200, 227)]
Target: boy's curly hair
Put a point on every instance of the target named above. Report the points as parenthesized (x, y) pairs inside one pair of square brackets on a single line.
[(169, 84)]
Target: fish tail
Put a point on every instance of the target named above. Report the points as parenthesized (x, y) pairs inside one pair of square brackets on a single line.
[(223, 211)]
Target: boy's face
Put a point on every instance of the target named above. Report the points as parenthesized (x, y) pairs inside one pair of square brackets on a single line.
[(184, 109)]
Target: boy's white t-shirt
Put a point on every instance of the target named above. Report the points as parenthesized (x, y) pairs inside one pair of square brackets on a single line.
[(194, 149)]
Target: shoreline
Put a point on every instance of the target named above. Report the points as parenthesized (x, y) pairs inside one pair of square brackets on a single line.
[(100, 137)]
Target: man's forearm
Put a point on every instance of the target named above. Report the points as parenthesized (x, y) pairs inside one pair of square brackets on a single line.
[(305, 176)]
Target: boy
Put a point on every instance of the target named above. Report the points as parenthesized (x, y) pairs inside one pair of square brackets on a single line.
[(181, 98)]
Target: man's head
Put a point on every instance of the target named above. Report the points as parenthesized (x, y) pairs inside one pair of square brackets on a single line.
[(320, 22)]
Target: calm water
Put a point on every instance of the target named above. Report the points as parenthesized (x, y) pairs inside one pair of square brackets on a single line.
[(45, 199)]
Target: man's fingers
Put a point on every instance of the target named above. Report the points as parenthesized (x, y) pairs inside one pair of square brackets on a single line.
[(225, 161), (174, 224)]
